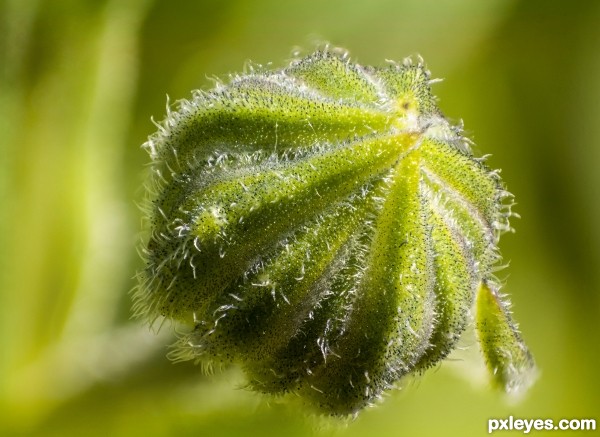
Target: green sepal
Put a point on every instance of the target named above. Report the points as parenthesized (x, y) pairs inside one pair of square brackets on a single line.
[(508, 359)]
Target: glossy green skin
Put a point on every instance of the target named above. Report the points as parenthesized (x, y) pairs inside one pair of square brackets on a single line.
[(324, 226)]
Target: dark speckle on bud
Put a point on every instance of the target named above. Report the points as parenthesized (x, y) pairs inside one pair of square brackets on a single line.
[(325, 227)]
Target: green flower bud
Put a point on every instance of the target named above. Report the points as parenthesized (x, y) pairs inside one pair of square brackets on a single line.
[(325, 226)]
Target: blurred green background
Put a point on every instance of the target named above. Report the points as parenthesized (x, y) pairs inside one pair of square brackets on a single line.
[(80, 81)]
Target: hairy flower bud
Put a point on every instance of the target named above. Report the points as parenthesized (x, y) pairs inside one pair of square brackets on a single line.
[(326, 227)]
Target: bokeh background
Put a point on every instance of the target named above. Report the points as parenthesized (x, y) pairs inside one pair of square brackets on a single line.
[(80, 81)]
